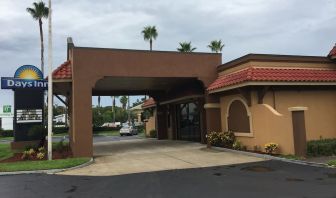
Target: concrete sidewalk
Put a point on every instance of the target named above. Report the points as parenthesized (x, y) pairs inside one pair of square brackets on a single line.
[(147, 155)]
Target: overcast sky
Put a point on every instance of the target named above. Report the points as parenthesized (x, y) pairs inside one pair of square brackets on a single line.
[(298, 27)]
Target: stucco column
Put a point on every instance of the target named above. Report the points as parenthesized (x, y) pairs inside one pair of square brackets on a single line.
[(139, 117), (161, 116), (212, 114), (70, 123), (82, 120)]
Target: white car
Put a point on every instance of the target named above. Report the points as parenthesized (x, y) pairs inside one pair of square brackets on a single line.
[(127, 130)]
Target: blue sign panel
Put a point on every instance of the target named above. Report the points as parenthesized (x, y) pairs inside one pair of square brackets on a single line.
[(13, 83), (26, 76)]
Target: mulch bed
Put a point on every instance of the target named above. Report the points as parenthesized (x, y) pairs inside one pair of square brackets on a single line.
[(17, 157)]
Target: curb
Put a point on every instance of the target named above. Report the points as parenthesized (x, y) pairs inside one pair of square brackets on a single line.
[(269, 157), (51, 171)]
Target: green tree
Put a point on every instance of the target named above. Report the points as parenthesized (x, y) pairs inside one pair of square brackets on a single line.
[(123, 101), (216, 46), (113, 108), (38, 12), (186, 47), (150, 33), (97, 117)]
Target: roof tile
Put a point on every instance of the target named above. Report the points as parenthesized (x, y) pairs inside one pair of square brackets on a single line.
[(260, 74), (64, 71), (149, 103)]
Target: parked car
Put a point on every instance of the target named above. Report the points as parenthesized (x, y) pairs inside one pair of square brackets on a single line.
[(127, 129)]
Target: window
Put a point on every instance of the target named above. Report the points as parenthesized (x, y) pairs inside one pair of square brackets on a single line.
[(238, 119)]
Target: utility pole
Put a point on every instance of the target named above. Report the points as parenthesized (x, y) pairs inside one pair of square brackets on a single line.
[(50, 90)]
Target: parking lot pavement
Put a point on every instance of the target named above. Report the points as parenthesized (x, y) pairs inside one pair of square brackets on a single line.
[(256, 179), (146, 155)]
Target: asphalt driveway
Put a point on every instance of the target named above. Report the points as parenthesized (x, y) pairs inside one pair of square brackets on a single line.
[(257, 179), (147, 155)]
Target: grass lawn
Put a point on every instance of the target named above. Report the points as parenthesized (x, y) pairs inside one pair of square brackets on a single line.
[(107, 133), (5, 151), (332, 163), (60, 134), (7, 138), (42, 165)]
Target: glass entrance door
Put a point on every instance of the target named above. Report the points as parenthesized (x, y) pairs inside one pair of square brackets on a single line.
[(189, 122)]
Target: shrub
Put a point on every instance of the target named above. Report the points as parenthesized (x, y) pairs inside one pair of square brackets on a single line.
[(140, 128), (332, 163), (28, 154), (322, 147), (41, 150), (237, 145), (40, 155), (61, 146), (152, 133), (37, 132), (222, 139), (58, 130), (6, 133), (270, 148)]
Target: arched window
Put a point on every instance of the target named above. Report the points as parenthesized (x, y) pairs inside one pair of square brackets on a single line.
[(238, 118)]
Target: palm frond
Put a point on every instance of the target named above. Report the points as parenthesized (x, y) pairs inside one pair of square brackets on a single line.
[(38, 10)]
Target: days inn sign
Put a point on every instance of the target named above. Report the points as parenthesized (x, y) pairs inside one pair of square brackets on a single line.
[(26, 76)]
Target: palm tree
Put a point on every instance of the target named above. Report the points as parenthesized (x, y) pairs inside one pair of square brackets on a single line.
[(38, 12), (186, 47), (123, 101), (113, 107), (149, 34), (98, 101), (216, 46)]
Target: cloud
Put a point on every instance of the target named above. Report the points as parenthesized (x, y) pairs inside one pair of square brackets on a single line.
[(302, 27)]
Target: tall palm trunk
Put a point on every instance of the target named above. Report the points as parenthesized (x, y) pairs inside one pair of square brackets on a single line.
[(113, 109), (150, 44), (42, 46), (129, 112)]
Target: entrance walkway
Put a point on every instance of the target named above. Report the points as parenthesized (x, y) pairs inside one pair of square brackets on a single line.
[(147, 155)]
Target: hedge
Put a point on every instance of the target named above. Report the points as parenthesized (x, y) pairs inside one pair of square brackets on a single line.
[(6, 133), (323, 147)]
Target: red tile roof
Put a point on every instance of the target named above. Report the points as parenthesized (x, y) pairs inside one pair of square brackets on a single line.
[(63, 72), (148, 103), (262, 74), (332, 52)]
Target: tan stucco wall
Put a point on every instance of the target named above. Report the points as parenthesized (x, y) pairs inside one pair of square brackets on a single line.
[(275, 125), (90, 65), (321, 114), (150, 124)]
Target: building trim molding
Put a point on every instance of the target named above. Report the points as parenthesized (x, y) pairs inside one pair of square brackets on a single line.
[(297, 108), (249, 114), (211, 106), (271, 83)]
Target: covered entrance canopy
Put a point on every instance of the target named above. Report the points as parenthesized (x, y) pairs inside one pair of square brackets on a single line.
[(171, 78)]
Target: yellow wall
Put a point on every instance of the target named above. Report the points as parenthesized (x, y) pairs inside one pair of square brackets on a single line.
[(150, 124), (275, 125), (321, 114)]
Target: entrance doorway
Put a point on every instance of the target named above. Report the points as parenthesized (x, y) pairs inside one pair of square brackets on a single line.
[(188, 121)]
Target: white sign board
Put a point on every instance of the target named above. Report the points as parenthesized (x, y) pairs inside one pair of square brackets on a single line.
[(6, 111), (28, 115)]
